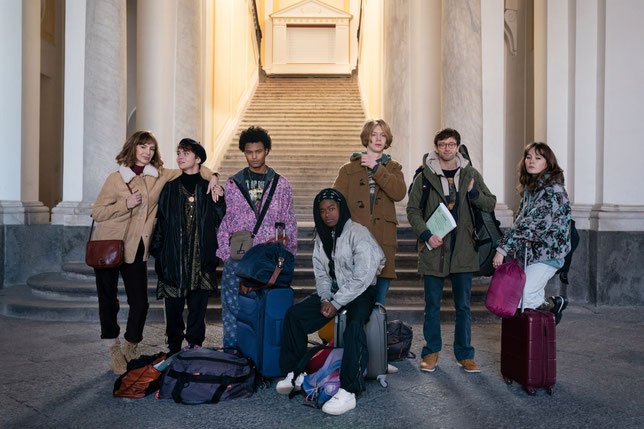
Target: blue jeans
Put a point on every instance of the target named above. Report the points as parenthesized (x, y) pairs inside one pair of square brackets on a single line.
[(461, 288), (382, 286)]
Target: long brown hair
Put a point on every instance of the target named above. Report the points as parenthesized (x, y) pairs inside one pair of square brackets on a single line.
[(127, 155), (551, 174)]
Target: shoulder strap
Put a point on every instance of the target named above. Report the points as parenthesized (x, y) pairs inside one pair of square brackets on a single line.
[(269, 197), (425, 196)]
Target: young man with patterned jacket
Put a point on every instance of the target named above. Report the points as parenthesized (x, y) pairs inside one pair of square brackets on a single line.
[(246, 195)]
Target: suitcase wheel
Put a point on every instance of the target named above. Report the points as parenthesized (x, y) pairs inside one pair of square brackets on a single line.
[(507, 380), (549, 390), (530, 391)]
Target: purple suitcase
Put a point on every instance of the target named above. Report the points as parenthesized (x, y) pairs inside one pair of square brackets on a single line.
[(529, 350)]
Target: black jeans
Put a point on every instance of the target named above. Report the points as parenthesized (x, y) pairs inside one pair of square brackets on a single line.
[(305, 318), (174, 326), (135, 279)]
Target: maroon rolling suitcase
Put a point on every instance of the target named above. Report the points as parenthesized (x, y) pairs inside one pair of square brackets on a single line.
[(529, 351)]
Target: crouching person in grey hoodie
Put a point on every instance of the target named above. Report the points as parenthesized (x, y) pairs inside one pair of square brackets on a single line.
[(346, 261)]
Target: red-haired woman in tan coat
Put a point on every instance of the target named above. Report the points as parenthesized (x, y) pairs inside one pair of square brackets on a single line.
[(125, 209)]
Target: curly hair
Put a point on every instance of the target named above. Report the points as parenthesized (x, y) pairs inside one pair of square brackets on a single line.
[(550, 175), (254, 135), (127, 155), (368, 128)]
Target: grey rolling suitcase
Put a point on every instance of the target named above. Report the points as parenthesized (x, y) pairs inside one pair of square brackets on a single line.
[(376, 332)]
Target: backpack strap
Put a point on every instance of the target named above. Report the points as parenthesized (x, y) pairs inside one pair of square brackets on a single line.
[(425, 195)]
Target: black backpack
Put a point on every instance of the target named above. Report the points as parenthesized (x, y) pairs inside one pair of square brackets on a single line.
[(487, 230), (399, 338)]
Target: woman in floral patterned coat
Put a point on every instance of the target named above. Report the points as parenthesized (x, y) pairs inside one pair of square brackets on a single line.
[(541, 228)]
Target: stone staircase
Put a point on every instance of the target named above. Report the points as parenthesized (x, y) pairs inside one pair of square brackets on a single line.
[(315, 125)]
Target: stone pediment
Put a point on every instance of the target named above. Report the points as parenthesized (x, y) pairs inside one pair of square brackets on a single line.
[(311, 11)]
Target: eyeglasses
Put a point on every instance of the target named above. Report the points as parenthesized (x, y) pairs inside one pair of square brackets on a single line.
[(451, 145)]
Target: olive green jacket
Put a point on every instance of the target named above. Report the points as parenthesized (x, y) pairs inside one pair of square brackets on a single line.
[(464, 259)]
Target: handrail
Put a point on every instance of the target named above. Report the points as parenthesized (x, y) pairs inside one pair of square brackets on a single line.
[(360, 20), (258, 30)]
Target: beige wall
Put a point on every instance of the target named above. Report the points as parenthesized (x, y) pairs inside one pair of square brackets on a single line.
[(231, 67), (370, 58)]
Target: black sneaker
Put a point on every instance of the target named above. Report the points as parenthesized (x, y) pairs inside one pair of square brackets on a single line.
[(560, 304)]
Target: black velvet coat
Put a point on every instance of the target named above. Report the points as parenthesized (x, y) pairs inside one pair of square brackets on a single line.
[(166, 244)]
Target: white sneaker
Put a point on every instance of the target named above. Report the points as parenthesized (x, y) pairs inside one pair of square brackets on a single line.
[(284, 387), (391, 369), (340, 403)]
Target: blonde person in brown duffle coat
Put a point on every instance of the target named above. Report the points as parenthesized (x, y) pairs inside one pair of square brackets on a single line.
[(125, 209), (372, 182)]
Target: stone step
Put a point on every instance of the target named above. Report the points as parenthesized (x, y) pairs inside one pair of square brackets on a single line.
[(19, 301), (63, 287)]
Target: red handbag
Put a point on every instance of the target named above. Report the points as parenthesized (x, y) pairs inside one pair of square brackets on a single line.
[(506, 288), (103, 254)]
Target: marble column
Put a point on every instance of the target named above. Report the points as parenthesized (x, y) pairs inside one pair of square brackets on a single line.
[(188, 115), (95, 103), (11, 209), (412, 78), (35, 211), (461, 86), (155, 72)]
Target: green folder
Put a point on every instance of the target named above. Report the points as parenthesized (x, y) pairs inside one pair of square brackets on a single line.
[(440, 223)]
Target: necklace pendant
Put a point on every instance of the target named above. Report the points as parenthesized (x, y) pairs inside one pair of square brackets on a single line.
[(191, 199)]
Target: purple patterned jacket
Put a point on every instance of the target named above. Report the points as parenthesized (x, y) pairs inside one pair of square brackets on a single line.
[(241, 217)]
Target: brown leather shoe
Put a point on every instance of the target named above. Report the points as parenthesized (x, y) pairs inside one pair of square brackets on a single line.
[(469, 365), (429, 362)]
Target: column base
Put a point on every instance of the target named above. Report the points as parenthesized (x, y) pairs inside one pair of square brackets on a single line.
[(608, 217), (23, 213), (72, 213)]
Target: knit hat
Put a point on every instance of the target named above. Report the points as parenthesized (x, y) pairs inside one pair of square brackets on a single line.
[(196, 147)]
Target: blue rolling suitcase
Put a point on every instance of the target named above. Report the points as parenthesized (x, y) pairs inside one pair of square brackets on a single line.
[(259, 327)]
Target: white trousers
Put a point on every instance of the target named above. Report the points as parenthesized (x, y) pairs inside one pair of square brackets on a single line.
[(536, 278)]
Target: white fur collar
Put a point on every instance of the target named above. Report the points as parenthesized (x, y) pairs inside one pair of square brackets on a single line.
[(127, 174)]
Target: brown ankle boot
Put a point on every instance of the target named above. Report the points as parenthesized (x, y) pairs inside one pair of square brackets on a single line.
[(118, 365), (131, 351)]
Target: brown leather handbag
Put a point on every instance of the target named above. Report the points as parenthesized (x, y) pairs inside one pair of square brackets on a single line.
[(103, 254), (141, 379)]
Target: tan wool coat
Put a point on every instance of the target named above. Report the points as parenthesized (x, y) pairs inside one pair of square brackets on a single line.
[(353, 182), (111, 212)]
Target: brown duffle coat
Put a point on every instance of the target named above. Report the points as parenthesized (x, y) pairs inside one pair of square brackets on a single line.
[(353, 182), (111, 212)]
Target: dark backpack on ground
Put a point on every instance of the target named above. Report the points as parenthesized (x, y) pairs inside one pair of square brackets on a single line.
[(141, 377), (487, 231), (203, 375), (399, 338)]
